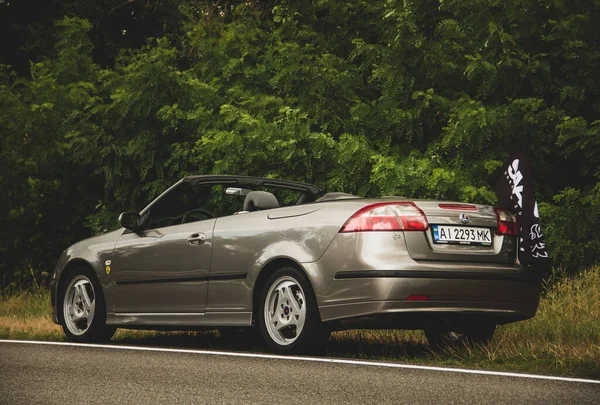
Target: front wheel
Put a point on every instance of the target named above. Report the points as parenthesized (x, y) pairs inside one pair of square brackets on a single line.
[(83, 312), (288, 315)]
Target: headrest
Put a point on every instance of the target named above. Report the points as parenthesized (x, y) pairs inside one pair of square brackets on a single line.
[(260, 200)]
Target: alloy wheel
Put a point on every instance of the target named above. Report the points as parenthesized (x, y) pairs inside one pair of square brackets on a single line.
[(285, 310), (79, 305)]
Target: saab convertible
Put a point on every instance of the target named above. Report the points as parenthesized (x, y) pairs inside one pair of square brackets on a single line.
[(229, 251)]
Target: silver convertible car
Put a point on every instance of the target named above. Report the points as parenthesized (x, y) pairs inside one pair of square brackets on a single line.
[(229, 251)]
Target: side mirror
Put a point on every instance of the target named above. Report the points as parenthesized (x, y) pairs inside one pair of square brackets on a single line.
[(130, 220)]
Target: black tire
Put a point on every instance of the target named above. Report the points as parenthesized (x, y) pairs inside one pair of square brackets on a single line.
[(313, 335), (94, 328), (480, 334), (442, 338)]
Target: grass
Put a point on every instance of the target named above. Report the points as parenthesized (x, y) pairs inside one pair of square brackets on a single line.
[(563, 338)]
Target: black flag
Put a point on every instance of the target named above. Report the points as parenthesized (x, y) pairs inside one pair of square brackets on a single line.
[(514, 187)]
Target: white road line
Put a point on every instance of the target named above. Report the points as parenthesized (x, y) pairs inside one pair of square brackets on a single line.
[(311, 359)]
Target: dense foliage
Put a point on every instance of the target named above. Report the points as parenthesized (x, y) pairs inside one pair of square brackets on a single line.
[(422, 99)]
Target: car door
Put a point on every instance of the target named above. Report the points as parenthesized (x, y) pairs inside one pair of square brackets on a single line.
[(164, 268)]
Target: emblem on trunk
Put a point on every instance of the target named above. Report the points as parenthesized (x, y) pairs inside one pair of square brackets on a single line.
[(464, 218)]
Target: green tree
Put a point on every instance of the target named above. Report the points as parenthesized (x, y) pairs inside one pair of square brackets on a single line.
[(420, 99)]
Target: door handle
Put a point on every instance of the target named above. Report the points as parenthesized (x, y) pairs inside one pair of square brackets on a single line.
[(196, 239)]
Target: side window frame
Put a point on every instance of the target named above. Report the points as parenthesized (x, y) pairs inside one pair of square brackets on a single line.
[(147, 213), (208, 195)]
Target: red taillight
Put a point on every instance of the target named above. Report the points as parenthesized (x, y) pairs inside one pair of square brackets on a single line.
[(387, 216), (507, 223), (460, 207), (418, 298)]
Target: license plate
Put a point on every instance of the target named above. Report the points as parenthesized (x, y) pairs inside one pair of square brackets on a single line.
[(461, 235)]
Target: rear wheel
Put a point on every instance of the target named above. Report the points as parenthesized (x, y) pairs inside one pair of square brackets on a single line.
[(480, 334), (288, 315), (82, 313)]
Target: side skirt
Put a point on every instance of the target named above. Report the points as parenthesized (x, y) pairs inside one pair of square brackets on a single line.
[(180, 319)]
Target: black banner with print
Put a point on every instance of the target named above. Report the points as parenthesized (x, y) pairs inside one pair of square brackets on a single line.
[(514, 187)]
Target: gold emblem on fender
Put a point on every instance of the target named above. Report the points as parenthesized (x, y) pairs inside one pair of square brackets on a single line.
[(107, 266)]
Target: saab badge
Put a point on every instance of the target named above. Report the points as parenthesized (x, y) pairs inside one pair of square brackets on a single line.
[(107, 267), (464, 218)]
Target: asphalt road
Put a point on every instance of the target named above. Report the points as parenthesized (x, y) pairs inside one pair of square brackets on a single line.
[(34, 373)]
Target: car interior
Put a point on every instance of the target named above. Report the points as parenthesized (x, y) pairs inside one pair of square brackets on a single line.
[(191, 202)]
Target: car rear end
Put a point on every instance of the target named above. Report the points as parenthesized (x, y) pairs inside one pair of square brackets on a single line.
[(416, 263)]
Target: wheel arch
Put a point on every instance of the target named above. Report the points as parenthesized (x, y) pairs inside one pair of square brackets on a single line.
[(263, 275), (66, 272)]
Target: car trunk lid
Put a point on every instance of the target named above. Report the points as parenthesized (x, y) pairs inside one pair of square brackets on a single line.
[(460, 232)]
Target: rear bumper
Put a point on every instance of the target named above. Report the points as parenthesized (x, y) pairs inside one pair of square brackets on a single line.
[(421, 315), (445, 275), (379, 298), (371, 275)]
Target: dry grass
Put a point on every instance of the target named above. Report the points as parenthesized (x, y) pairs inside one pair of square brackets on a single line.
[(566, 329), (20, 328), (563, 338)]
